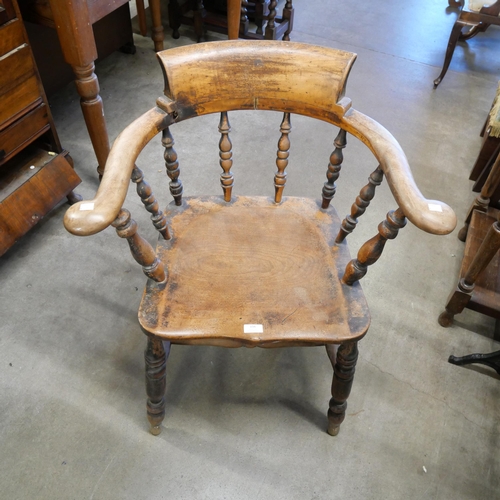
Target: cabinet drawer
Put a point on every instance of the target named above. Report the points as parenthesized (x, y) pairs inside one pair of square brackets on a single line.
[(15, 67), (23, 132), (18, 84), (11, 36)]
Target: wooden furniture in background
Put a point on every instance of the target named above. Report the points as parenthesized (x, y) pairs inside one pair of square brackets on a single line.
[(488, 154), (233, 20), (475, 22), (478, 287), (35, 171), (270, 26), (255, 271), (73, 22)]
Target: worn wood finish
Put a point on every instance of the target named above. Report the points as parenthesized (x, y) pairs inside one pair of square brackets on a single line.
[(360, 205), (274, 75), (320, 70), (257, 271), (113, 187), (217, 247), (334, 166)]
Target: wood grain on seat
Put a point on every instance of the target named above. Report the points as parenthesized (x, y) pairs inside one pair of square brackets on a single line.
[(253, 262)]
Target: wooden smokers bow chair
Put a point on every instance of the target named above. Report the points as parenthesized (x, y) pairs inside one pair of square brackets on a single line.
[(254, 271)]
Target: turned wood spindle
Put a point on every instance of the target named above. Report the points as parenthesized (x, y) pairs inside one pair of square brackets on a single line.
[(151, 204), (141, 250), (288, 15), (483, 199), (344, 366), (360, 205), (461, 296), (333, 172), (271, 24), (155, 356), (282, 157), (225, 154), (172, 166), (371, 251)]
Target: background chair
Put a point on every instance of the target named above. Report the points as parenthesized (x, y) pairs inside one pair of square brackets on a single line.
[(479, 16), (255, 271)]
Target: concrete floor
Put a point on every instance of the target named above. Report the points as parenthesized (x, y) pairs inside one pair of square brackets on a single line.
[(250, 424)]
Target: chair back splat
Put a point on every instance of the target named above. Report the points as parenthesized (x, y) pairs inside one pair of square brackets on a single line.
[(255, 270)]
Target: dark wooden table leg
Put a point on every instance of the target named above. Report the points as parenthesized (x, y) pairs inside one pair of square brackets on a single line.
[(157, 31), (76, 37), (233, 18)]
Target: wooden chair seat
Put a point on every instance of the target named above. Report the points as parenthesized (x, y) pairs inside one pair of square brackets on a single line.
[(230, 282)]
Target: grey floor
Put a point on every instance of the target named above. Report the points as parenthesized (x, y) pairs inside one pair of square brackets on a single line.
[(250, 424)]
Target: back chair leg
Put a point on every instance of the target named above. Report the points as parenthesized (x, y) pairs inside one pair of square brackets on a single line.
[(344, 365), (156, 356)]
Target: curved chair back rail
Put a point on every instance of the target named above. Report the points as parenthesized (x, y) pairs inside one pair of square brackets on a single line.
[(92, 216), (281, 76)]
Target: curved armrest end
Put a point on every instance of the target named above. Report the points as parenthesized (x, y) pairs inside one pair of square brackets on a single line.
[(89, 217), (80, 221), (432, 216)]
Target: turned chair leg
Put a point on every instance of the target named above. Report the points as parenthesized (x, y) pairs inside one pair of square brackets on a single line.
[(344, 365), (452, 43), (156, 355)]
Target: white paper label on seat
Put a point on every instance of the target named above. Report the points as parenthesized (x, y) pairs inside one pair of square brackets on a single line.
[(435, 208), (253, 329), (87, 206)]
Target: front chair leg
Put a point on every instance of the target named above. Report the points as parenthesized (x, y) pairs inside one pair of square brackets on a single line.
[(344, 365), (156, 355)]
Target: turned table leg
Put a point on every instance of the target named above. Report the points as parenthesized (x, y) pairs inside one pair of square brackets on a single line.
[(157, 33), (233, 18), (76, 37), (87, 86)]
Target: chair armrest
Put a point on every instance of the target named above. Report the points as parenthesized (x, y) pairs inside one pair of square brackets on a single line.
[(91, 216), (431, 216)]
